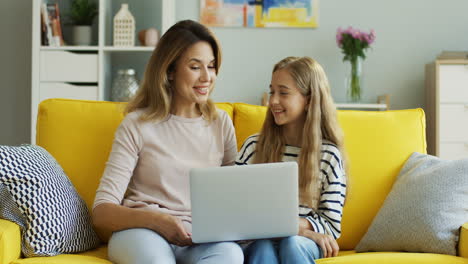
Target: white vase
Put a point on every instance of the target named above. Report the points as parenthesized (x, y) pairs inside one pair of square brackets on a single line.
[(124, 28), (82, 35)]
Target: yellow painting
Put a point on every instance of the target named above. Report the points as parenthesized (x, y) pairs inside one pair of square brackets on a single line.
[(259, 13)]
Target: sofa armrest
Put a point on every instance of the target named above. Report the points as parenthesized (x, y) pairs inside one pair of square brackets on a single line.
[(463, 242), (10, 241)]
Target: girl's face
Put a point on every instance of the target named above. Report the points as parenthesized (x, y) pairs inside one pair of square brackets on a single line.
[(287, 104), (194, 74)]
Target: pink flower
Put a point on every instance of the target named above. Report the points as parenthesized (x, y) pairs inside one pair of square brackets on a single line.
[(354, 42), (356, 34), (339, 37)]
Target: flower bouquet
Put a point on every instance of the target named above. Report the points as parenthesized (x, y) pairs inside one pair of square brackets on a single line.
[(353, 43)]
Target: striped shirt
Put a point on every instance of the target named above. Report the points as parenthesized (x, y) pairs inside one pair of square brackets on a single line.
[(327, 218)]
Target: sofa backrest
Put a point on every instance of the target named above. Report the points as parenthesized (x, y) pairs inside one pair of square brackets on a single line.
[(377, 144), (79, 135)]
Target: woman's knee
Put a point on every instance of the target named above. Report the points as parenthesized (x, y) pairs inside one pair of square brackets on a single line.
[(231, 252), (139, 245)]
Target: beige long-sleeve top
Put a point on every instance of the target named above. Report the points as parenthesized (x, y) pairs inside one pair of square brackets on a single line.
[(149, 164)]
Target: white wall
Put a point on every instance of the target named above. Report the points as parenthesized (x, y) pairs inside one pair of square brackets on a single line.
[(15, 71), (409, 35)]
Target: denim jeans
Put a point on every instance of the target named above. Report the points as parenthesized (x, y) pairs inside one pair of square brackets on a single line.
[(145, 246), (289, 250)]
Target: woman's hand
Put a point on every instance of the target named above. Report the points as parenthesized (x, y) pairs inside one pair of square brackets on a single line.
[(172, 229), (326, 242)]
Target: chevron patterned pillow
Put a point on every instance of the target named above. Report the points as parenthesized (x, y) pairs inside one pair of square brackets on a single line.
[(57, 219)]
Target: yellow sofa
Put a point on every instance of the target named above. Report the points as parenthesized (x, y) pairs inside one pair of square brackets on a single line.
[(79, 135)]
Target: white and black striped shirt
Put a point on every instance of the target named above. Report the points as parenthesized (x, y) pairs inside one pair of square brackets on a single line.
[(327, 218)]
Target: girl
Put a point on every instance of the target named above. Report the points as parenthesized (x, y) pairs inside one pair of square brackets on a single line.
[(143, 202), (301, 125)]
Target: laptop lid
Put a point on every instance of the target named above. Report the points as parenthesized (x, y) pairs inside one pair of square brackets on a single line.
[(244, 202)]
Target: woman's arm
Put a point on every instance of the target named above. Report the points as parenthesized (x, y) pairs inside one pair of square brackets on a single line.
[(109, 218)]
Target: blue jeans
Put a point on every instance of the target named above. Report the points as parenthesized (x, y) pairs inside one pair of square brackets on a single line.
[(144, 246), (293, 249)]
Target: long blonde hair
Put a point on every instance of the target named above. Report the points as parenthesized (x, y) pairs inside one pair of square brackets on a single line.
[(320, 124), (155, 93)]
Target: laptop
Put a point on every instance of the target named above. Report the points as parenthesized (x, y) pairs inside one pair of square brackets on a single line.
[(244, 202)]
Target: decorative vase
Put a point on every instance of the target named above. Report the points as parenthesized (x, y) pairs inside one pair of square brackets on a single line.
[(354, 80), (124, 85), (124, 28), (82, 35)]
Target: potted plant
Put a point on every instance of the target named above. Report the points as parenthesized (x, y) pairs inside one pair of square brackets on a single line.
[(82, 14)]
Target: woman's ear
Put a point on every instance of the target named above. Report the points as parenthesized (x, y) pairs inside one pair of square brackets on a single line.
[(170, 76)]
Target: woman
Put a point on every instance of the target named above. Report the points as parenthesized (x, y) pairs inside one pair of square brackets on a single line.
[(301, 126), (143, 202)]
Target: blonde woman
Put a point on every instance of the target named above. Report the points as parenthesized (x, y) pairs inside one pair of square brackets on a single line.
[(142, 205), (301, 125)]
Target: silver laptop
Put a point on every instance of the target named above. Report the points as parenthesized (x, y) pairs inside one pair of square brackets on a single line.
[(244, 202)]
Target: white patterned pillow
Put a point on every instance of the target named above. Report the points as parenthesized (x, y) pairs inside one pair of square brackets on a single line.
[(424, 210), (55, 218)]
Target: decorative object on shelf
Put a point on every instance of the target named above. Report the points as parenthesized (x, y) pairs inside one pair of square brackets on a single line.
[(353, 43), (124, 28), (148, 37), (124, 86), (260, 13), (82, 14), (51, 25)]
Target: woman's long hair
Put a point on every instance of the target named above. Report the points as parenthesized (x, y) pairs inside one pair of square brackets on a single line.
[(320, 124), (155, 93)]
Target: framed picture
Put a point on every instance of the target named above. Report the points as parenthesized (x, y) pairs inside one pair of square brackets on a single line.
[(259, 13)]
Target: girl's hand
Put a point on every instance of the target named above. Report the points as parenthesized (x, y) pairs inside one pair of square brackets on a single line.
[(172, 229), (326, 242)]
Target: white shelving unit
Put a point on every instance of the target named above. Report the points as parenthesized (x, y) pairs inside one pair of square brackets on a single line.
[(447, 108), (86, 72), (375, 107)]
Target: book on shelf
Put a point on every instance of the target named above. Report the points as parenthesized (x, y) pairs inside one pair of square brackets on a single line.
[(51, 25)]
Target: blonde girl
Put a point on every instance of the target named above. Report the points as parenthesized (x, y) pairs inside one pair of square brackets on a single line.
[(301, 125)]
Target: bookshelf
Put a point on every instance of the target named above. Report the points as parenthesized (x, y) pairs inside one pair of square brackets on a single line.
[(87, 72)]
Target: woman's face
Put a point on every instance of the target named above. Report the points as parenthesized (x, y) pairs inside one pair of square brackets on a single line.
[(194, 74), (287, 104)]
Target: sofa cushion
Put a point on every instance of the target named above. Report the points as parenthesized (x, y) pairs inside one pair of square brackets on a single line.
[(392, 258), (377, 145), (424, 210), (248, 120), (57, 220)]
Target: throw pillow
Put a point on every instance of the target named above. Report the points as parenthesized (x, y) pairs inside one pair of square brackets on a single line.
[(424, 210), (54, 219)]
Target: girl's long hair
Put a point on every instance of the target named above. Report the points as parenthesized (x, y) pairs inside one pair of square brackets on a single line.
[(155, 92), (320, 124)]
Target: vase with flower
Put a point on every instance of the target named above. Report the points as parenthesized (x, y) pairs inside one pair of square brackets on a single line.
[(353, 43)]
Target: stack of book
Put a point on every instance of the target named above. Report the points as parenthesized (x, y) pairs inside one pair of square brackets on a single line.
[(51, 29)]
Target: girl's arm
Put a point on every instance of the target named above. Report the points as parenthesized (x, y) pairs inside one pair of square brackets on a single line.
[(247, 151), (327, 219)]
